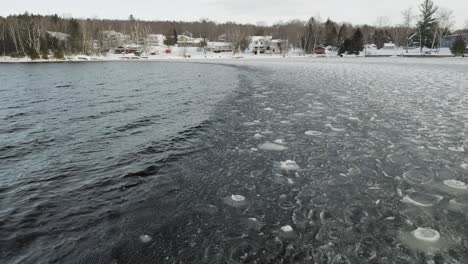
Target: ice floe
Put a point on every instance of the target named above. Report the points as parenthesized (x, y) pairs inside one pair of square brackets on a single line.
[(419, 176), (287, 229), (422, 199), (336, 129), (457, 149), (235, 200), (456, 184), (289, 165), (426, 234), (313, 133), (145, 239), (280, 141), (272, 147), (257, 136)]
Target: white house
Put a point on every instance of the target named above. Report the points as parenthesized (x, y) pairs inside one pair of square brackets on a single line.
[(259, 44), (155, 40), (277, 46), (112, 39)]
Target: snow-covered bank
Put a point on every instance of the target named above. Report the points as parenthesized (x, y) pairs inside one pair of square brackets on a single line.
[(196, 54)]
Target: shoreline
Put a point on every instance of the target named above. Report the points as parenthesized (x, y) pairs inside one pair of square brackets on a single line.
[(197, 59)]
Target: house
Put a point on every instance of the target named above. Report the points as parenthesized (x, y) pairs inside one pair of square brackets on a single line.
[(155, 40), (113, 39), (447, 42), (127, 49), (58, 35), (320, 50), (219, 47), (222, 38), (389, 45), (260, 44), (189, 41), (277, 46)]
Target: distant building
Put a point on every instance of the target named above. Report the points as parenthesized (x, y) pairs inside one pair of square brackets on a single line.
[(58, 35), (222, 38), (260, 44), (320, 50), (128, 49), (112, 39), (389, 45), (189, 41), (155, 40), (277, 46), (219, 47), (447, 42)]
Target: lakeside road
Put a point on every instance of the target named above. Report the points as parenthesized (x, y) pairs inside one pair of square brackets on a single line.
[(331, 160)]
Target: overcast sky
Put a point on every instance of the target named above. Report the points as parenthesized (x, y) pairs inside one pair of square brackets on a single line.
[(245, 11)]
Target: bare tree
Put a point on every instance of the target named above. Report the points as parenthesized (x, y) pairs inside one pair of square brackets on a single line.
[(444, 22), (408, 24), (238, 39), (382, 22)]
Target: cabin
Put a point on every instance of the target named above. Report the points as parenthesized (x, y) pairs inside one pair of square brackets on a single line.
[(320, 50)]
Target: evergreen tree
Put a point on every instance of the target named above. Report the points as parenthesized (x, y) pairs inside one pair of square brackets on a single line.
[(345, 47), (331, 35), (76, 36), (357, 42), (459, 47), (427, 23), (380, 38)]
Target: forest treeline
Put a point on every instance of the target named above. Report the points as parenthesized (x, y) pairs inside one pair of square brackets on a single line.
[(42, 36)]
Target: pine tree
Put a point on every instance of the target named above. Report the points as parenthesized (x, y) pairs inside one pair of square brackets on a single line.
[(357, 42), (331, 35), (459, 46), (380, 38), (427, 23), (74, 30), (346, 47)]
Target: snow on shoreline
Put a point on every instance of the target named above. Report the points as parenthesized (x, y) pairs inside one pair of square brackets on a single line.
[(198, 55)]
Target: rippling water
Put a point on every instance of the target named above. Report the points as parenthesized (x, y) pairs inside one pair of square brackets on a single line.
[(278, 161)]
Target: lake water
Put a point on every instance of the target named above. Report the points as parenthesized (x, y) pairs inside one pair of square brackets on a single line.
[(260, 161)]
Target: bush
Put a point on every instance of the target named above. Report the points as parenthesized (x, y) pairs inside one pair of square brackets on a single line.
[(459, 47)]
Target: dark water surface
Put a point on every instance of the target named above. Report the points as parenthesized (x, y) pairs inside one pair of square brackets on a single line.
[(139, 162)]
